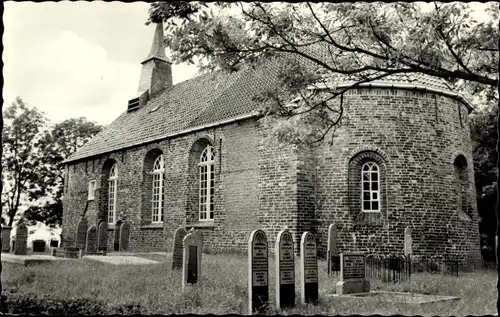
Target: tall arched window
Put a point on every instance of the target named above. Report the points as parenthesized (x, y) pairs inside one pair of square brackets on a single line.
[(462, 183), (158, 189), (370, 187), (207, 184), (112, 189)]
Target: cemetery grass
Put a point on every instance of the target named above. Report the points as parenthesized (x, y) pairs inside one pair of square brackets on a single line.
[(86, 286)]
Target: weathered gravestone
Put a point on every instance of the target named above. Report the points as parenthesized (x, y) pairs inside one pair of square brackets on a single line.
[(6, 230), (21, 245), (191, 264), (352, 274), (177, 248), (91, 245), (258, 286), (408, 242), (116, 236), (285, 270), (308, 268), (81, 233), (124, 236), (332, 253), (102, 237)]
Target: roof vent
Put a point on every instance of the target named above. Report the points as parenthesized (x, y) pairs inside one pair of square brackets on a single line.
[(133, 104), (137, 102)]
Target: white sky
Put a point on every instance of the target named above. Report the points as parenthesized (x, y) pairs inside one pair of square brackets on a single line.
[(73, 59)]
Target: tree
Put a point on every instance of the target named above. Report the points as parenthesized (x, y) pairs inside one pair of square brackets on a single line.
[(364, 41), (57, 145), (21, 156)]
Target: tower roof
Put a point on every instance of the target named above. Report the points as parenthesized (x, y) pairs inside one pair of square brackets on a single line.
[(157, 48)]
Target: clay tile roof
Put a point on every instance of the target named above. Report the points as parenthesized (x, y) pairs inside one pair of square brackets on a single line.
[(203, 100)]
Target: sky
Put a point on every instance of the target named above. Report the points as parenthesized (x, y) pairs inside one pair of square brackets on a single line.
[(74, 59)]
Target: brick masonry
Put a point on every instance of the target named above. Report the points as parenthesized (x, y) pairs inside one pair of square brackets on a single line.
[(415, 137)]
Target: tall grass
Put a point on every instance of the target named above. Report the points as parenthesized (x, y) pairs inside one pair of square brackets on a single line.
[(156, 289)]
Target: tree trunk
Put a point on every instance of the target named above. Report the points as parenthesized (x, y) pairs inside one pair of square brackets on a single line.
[(497, 251)]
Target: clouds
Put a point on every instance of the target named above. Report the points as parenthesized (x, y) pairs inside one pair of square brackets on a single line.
[(69, 65)]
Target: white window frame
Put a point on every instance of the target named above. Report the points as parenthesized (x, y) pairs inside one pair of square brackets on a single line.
[(371, 168), (206, 175), (92, 185), (157, 190), (112, 184)]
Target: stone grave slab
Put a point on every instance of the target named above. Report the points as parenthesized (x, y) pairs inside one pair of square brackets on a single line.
[(31, 259), (285, 270), (191, 264), (102, 237), (177, 248), (81, 233), (124, 236), (6, 230), (332, 249), (352, 274), (21, 246), (116, 235), (91, 245), (258, 272), (120, 259), (399, 297), (308, 269), (407, 242)]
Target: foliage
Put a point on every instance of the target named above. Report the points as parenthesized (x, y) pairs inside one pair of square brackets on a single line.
[(21, 156), (59, 143), (364, 41)]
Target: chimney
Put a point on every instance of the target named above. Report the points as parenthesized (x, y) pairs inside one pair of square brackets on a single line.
[(156, 72)]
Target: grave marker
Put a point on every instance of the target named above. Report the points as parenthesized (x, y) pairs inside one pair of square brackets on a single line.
[(102, 237), (352, 274), (91, 245), (258, 286), (21, 245), (6, 238), (124, 236), (81, 233), (285, 270), (308, 268), (408, 241), (191, 270), (177, 248), (116, 236), (332, 249)]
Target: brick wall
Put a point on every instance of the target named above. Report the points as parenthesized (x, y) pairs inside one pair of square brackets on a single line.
[(415, 138)]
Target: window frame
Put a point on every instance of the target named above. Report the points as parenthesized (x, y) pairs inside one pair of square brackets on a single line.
[(373, 168), (112, 180), (91, 189), (158, 179), (206, 182)]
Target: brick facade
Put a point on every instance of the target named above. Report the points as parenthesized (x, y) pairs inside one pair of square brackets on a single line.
[(420, 140)]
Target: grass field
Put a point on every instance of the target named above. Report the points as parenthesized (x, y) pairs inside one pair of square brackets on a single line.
[(155, 289)]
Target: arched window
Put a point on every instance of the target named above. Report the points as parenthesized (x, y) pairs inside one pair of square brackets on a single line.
[(370, 187), (158, 189), (112, 189), (462, 183), (207, 184)]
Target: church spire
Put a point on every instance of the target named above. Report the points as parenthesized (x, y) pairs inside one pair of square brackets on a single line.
[(157, 49)]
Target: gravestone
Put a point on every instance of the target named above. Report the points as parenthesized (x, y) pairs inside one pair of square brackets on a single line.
[(6, 230), (408, 241), (81, 233), (308, 268), (91, 243), (331, 248), (116, 236), (258, 272), (21, 246), (191, 264), (124, 236), (102, 237), (285, 270), (177, 248), (352, 274)]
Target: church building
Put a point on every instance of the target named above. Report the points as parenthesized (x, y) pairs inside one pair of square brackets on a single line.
[(192, 155)]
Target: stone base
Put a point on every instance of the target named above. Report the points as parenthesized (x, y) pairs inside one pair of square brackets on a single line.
[(352, 287)]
